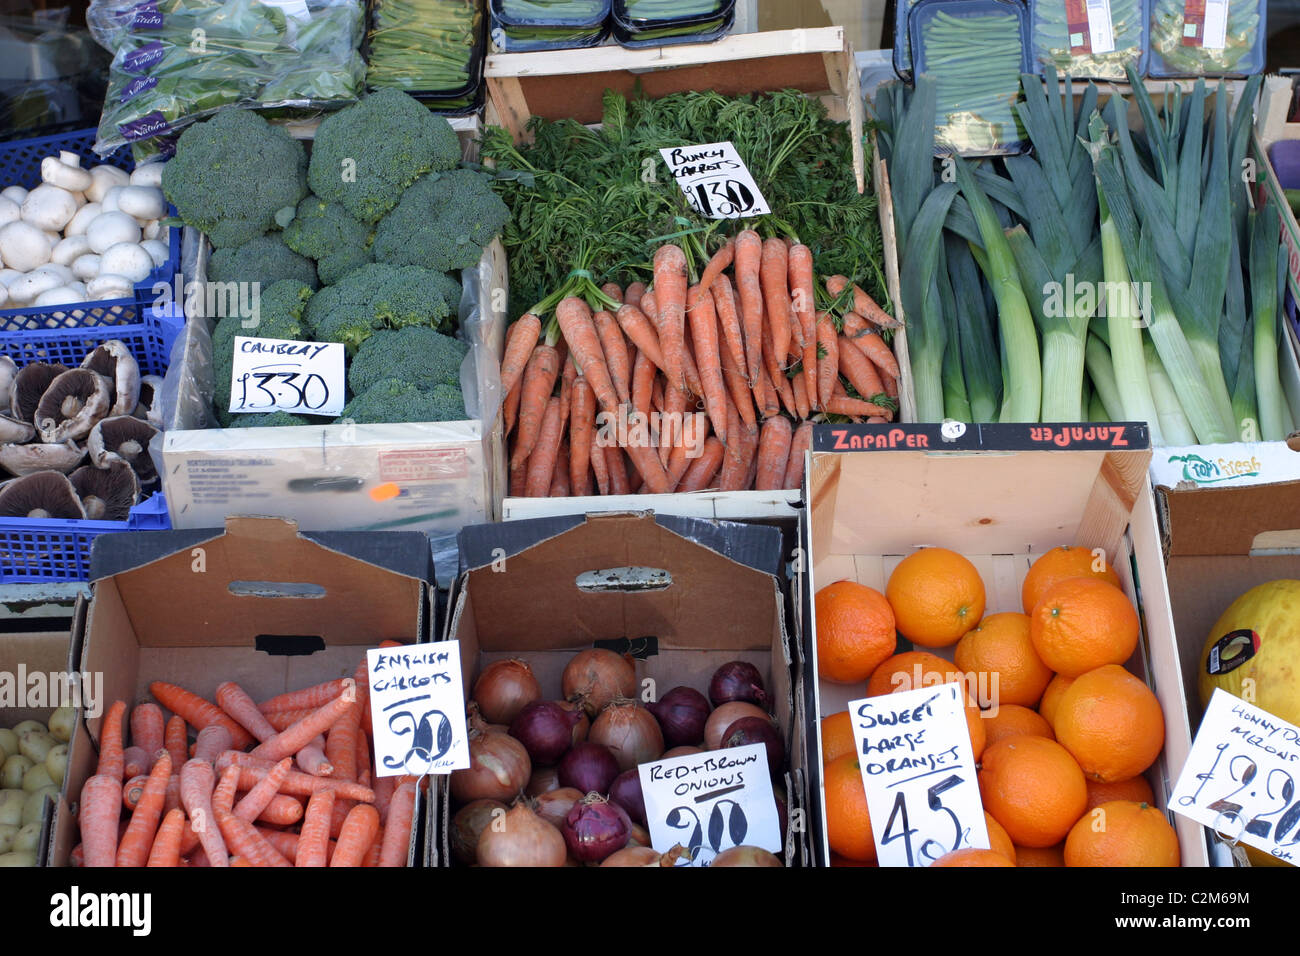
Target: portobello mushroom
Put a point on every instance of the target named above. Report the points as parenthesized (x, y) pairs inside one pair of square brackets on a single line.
[(26, 459), (107, 494), (29, 385), (114, 361), (42, 494), (123, 438), (73, 404)]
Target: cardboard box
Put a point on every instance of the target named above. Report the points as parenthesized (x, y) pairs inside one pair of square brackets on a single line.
[(258, 603), (519, 596), (1001, 495)]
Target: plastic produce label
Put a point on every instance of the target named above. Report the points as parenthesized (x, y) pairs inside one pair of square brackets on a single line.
[(417, 703), (278, 375), (716, 181)]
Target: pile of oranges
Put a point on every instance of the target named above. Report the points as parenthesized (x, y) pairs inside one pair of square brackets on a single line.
[(1065, 732)]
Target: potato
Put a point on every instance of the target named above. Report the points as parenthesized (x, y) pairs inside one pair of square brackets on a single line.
[(24, 726), (8, 744), (36, 777), (56, 762), (13, 771), (28, 838), (34, 805), (62, 722), (11, 806), (8, 833), (18, 858), (36, 745)]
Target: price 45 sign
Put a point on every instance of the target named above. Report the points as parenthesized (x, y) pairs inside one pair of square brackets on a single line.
[(919, 773)]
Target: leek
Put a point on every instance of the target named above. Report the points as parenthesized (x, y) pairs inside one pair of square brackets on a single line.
[(1173, 423), (1266, 258), (1102, 374)]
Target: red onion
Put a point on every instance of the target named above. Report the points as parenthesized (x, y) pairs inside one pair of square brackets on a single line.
[(499, 769), (595, 828), (626, 792), (597, 676), (468, 825), (545, 729), (543, 780), (737, 680), (630, 732), (554, 805), (523, 839), (745, 856), (584, 722), (503, 688), (681, 713), (758, 730), (724, 717), (589, 767), (681, 752)]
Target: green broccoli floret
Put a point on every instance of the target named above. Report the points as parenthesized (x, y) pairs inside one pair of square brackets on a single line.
[(416, 354), (364, 155), (276, 420), (280, 316), (391, 400), (232, 174), (379, 296), (265, 259), (442, 222), (328, 233)]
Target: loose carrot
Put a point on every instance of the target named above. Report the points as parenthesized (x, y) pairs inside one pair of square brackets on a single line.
[(773, 454), (290, 741), (285, 843), (363, 760), (255, 801), (582, 420), (614, 464), (579, 330), (101, 807), (828, 357), (877, 420), (197, 784), (341, 745), (703, 469), (284, 719), (803, 407), (720, 262), (704, 334), (749, 292), (538, 382), (311, 759), (855, 407), (371, 859), (560, 476), (859, 370), (283, 811), (112, 748), (854, 325), (737, 389), (236, 702), (306, 698), (197, 712), (614, 347), (243, 839), (397, 829), (874, 348), (747, 449), (614, 291), (252, 769), (132, 790), (649, 308), (678, 462), (313, 840), (863, 304), (211, 742), (890, 383), (670, 322), (133, 850), (774, 276), (147, 729), (176, 740), (135, 762), (521, 339), (799, 443), (765, 396), (632, 294), (541, 463), (730, 475), (384, 789), (223, 797), (166, 849), (510, 409), (803, 304), (641, 330), (518, 478), (648, 465), (359, 831)]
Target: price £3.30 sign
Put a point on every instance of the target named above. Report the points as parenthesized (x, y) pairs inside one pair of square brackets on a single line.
[(716, 181), (919, 773), (278, 375)]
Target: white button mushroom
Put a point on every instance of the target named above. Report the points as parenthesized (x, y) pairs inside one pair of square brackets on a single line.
[(49, 207), (78, 287), (86, 267), (109, 286), (104, 178), (143, 202), (27, 288), (14, 194), (70, 249), (4, 295), (10, 211), (158, 252), (9, 275), (109, 200), (127, 259), (84, 217), (156, 230), (60, 295), (110, 228), (23, 246), (148, 174), (58, 269)]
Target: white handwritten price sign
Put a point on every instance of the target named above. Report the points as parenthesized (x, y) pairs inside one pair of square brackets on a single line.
[(417, 707), (278, 375), (711, 802), (1240, 778), (716, 181), (919, 772)]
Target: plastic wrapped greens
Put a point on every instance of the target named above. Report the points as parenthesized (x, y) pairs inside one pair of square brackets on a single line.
[(176, 61), (1089, 40), (976, 51), (1227, 40), (639, 23), (427, 46), (902, 42), (521, 25)]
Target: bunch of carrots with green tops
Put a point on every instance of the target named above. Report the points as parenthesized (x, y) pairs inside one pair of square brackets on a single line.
[(165, 802), (601, 398)]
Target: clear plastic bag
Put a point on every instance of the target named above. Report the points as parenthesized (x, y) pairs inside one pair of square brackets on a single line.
[(1182, 48), (1070, 49)]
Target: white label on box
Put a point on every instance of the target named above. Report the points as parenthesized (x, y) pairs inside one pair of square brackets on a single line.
[(417, 705), (1216, 25), (711, 802), (278, 375), (1231, 463), (919, 773), (1240, 778), (1101, 30), (716, 181)]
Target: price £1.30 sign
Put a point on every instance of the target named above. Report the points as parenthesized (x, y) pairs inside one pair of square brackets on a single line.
[(716, 181), (278, 375)]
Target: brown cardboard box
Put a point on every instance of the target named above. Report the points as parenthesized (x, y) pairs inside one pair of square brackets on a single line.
[(258, 603), (519, 596)]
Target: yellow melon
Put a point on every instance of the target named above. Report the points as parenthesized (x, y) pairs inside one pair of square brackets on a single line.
[(1253, 651)]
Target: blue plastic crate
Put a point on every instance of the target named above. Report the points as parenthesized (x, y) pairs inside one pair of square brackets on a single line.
[(20, 165), (58, 549)]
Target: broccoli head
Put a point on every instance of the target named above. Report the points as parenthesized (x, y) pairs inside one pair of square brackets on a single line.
[(442, 222), (232, 174), (276, 420), (364, 155), (378, 296), (280, 311), (392, 400), (416, 354), (265, 259), (328, 233)]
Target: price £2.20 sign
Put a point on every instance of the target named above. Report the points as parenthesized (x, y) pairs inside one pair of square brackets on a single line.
[(716, 181)]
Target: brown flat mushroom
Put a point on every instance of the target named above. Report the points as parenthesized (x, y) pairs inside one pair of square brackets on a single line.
[(150, 405), (124, 438), (29, 385), (107, 494), (12, 430), (25, 459), (8, 372), (43, 494), (72, 405), (114, 361)]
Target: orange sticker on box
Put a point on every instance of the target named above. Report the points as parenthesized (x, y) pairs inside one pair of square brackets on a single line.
[(423, 464), (385, 492)]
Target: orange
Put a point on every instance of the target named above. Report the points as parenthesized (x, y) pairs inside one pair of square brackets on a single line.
[(1111, 723), (1135, 788), (1012, 720), (972, 856), (855, 631), (1058, 565), (1034, 788), (1001, 655), (911, 670), (1052, 697), (1122, 833), (838, 738), (999, 839), (1041, 856), (978, 737), (937, 596), (848, 827), (1082, 623), (837, 860)]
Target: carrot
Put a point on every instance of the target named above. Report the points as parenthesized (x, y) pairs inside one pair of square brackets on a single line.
[(306, 698), (614, 347), (720, 262), (874, 348), (800, 443), (359, 831), (828, 360), (361, 682), (599, 466), (284, 719), (773, 454), (746, 452), (223, 797), (863, 304), (112, 749), (648, 465), (641, 330), (678, 462), (579, 330), (704, 334), (147, 729), (311, 758), (384, 789), (132, 790), (670, 320), (803, 304), (632, 294), (283, 810), (890, 383), (614, 464), (749, 292), (244, 840), (363, 760), (285, 843), (729, 477), (566, 389), (802, 406), (855, 407), (176, 740), (397, 828), (728, 312), (773, 274), (613, 291), (538, 382), (135, 762), (290, 741), (541, 463), (643, 381), (635, 483), (252, 769), (657, 394), (581, 435), (341, 745), (676, 405), (234, 700), (704, 468), (859, 370), (371, 859), (877, 420), (560, 476), (775, 374), (133, 850), (510, 409), (313, 840), (211, 742), (197, 712), (256, 800), (521, 339), (166, 849), (737, 389), (518, 478), (197, 783), (854, 325)]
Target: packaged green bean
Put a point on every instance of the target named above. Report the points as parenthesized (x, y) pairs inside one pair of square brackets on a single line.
[(427, 46), (523, 25), (1089, 39), (642, 23), (1207, 37)]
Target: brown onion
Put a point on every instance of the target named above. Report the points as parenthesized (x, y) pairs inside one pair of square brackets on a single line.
[(554, 805), (639, 836), (630, 732), (645, 856), (746, 856), (503, 688), (682, 752), (468, 825), (499, 769), (543, 780), (523, 839), (724, 717), (597, 676), (474, 720)]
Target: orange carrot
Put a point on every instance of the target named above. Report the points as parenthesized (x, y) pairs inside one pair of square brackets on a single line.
[(566, 389), (729, 477), (211, 742), (641, 330), (541, 463), (538, 382), (648, 465), (859, 370), (774, 276), (234, 700), (560, 476), (801, 404), (657, 394), (803, 304), (863, 304), (678, 462), (244, 840), (728, 312), (703, 469), (359, 831), (133, 850), (384, 789), (341, 745), (614, 464), (773, 453), (582, 421), (579, 331), (132, 790), (197, 712), (890, 383), (670, 321), (800, 443), (112, 749), (166, 849), (252, 769), (255, 801), (775, 374), (855, 407), (176, 740), (765, 396), (284, 719), (828, 358), (854, 325), (518, 478), (371, 858), (599, 467), (635, 483), (283, 810), (676, 404), (649, 308), (632, 294), (614, 291), (746, 451), (874, 348), (147, 729), (521, 339), (397, 828), (135, 762), (313, 841), (363, 760), (614, 347), (720, 262), (290, 741), (223, 797), (197, 783), (704, 334), (749, 292), (510, 409), (306, 698), (737, 389), (285, 843), (643, 381)]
